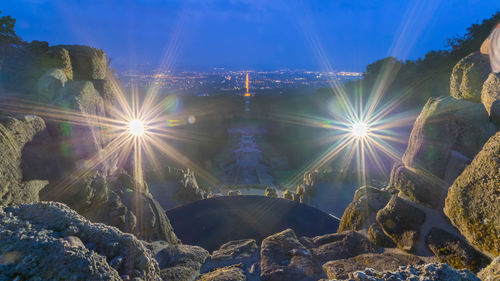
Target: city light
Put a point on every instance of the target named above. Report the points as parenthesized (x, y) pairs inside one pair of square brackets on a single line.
[(136, 127), (359, 129)]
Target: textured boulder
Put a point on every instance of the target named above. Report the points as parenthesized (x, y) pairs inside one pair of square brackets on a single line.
[(271, 192), (472, 204), (416, 187), (446, 124), (228, 273), (234, 193), (50, 83), (377, 236), (468, 77), (452, 250), (59, 58), (425, 272), (88, 63), (178, 262), (340, 269), (283, 257), (491, 272), (338, 245), (15, 133), (49, 241), (401, 221), (289, 195), (360, 213), (117, 202), (490, 97)]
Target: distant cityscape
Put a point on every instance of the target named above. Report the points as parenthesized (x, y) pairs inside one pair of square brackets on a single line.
[(220, 81)]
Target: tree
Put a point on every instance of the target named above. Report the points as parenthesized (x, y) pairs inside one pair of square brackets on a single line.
[(8, 36)]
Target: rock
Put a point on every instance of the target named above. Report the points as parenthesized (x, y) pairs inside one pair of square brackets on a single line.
[(244, 252), (289, 195), (472, 202), (416, 187), (116, 202), (88, 63), (491, 272), (377, 236), (340, 269), (33, 247), (59, 58), (51, 82), (338, 245), (401, 222), (178, 262), (446, 124), (234, 193), (490, 96), (468, 77), (283, 257), (362, 210), (229, 273), (452, 250), (271, 192), (425, 272), (109, 90), (15, 133)]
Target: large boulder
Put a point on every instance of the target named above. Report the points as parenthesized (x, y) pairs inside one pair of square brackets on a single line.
[(59, 58), (468, 77), (338, 245), (49, 241), (50, 83), (15, 133), (228, 273), (117, 202), (178, 262), (416, 187), (491, 272), (424, 272), (472, 201), (88, 63), (340, 269), (283, 257), (452, 250), (490, 97), (377, 236), (446, 124), (360, 213), (401, 222)]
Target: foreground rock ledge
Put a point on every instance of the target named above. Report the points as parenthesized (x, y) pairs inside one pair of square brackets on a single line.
[(49, 241)]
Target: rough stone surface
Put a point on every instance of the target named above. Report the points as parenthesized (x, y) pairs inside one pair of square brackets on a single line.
[(271, 192), (338, 245), (416, 187), (491, 272), (452, 250), (244, 252), (468, 77), (59, 58), (15, 133), (340, 269), (178, 262), (425, 272), (229, 273), (377, 236), (490, 96), (360, 213), (472, 204), (50, 83), (401, 222), (88, 63), (117, 202), (234, 193), (446, 124), (49, 241), (283, 257)]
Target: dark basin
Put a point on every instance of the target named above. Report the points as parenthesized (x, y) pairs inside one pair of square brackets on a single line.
[(211, 222)]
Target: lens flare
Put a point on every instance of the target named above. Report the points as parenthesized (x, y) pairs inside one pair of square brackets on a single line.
[(136, 127), (360, 129)]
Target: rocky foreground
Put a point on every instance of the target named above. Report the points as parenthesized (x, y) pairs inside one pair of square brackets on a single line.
[(63, 219)]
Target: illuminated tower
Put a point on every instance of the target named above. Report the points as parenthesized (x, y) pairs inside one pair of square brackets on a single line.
[(246, 83)]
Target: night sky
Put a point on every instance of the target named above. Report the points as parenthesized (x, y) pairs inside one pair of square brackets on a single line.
[(249, 34)]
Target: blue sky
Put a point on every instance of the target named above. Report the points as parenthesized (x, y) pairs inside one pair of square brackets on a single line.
[(249, 34)]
